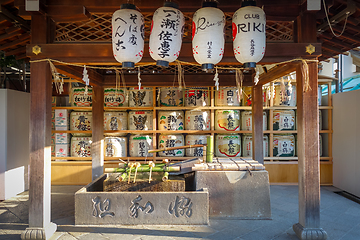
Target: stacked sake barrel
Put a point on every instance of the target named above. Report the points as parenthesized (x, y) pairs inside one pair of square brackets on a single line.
[(174, 120)]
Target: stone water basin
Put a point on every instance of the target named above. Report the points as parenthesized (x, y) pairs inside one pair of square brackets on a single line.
[(94, 206)]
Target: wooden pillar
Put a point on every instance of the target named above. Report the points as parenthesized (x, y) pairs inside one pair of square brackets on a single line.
[(308, 157), (40, 226), (257, 123), (308, 138), (97, 147)]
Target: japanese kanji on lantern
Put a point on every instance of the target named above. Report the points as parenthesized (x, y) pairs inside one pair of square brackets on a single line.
[(249, 28), (208, 35), (128, 35), (167, 29)]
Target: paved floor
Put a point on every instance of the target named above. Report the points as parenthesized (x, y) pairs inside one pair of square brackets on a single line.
[(340, 218)]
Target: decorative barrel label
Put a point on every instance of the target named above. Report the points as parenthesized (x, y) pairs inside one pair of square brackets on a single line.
[(80, 98), (171, 120), (115, 97), (168, 141), (227, 145), (228, 120)]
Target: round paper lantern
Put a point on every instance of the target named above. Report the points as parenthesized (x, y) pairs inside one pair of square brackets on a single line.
[(249, 28), (208, 35), (167, 29), (128, 35)]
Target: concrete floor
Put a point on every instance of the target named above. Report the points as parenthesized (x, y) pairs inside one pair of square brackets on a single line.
[(340, 218)]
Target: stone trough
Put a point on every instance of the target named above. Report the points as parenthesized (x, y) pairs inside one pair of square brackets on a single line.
[(94, 206)]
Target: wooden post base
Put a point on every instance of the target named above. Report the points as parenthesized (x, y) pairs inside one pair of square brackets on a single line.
[(309, 233), (39, 233)]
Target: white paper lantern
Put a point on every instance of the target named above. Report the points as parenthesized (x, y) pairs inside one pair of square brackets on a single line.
[(128, 35), (249, 29), (167, 29), (208, 35)]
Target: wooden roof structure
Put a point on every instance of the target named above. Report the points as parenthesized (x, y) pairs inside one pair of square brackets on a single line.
[(84, 21)]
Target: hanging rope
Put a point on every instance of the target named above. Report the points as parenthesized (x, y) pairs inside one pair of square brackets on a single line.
[(239, 77), (327, 18), (216, 79), (305, 75), (139, 78)]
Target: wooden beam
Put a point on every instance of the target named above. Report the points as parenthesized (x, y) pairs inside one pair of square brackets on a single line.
[(257, 123), (277, 72), (71, 13), (21, 40), (96, 79), (14, 19), (332, 39), (168, 79), (97, 146), (10, 35), (101, 53), (16, 51), (332, 49)]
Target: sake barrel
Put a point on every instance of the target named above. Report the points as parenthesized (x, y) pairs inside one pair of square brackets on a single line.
[(79, 97), (227, 96), (80, 121), (196, 97), (247, 97), (284, 145), (171, 96), (246, 120), (285, 96), (115, 97), (197, 120), (170, 120), (115, 121), (140, 120), (81, 146), (115, 147), (247, 145), (171, 140), (141, 98), (284, 120), (228, 120), (227, 145), (192, 140), (139, 145)]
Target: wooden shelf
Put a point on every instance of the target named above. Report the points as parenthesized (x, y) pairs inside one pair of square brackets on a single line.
[(73, 108), (128, 108), (72, 158), (71, 131)]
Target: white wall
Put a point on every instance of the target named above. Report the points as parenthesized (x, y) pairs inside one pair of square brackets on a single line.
[(3, 142), (349, 69), (14, 142), (346, 141), (328, 68)]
